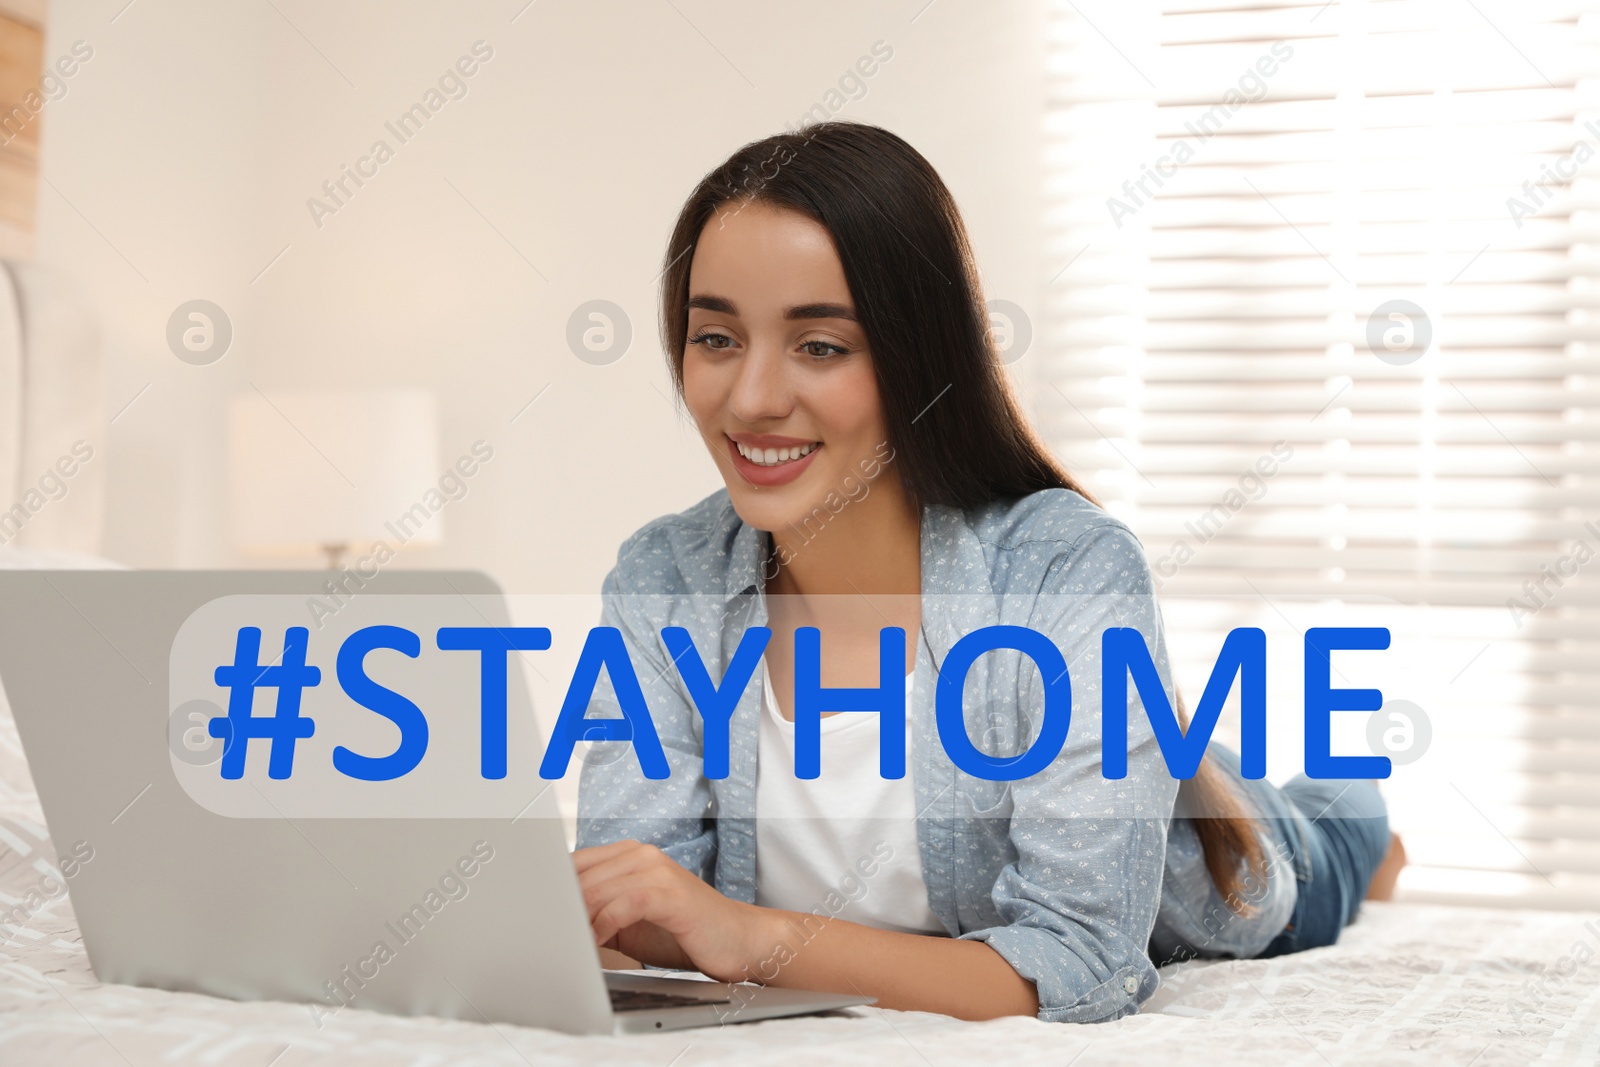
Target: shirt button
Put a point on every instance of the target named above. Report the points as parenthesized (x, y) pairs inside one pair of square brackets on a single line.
[(1131, 984)]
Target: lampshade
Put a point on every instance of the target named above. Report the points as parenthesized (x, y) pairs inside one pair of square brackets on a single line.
[(310, 470)]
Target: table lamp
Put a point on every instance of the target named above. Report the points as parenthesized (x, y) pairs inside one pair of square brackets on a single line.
[(326, 469)]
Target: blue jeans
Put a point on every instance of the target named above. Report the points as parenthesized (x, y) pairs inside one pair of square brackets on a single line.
[(1338, 833)]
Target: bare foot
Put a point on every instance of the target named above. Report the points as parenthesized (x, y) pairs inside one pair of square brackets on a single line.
[(1388, 872)]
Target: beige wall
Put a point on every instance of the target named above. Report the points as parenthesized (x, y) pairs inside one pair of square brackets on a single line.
[(184, 153)]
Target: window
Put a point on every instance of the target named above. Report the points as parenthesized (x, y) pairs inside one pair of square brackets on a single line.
[(1323, 332)]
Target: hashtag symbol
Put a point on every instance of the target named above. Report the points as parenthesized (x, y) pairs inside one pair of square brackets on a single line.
[(282, 728)]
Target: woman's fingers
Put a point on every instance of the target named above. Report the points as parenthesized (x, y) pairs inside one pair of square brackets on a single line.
[(628, 907), (584, 858), (622, 859), (598, 894), (643, 902), (640, 864), (638, 892)]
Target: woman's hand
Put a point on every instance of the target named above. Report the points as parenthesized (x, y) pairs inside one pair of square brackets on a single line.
[(643, 904)]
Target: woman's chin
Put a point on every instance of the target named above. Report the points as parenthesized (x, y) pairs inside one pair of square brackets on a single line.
[(775, 509), (767, 510)]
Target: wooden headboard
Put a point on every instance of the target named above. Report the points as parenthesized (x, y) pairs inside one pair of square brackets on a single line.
[(21, 69)]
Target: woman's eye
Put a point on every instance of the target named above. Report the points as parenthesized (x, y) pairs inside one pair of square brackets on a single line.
[(821, 349), (715, 341)]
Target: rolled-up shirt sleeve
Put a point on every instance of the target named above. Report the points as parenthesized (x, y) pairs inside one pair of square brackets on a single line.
[(1080, 899)]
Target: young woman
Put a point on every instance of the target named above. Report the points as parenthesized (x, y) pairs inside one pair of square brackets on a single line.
[(827, 333)]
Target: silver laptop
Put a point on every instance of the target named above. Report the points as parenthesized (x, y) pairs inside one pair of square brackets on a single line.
[(464, 918)]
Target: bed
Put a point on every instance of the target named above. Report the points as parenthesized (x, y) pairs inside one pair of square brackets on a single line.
[(1409, 983)]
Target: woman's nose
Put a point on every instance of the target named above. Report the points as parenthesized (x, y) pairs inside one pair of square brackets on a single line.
[(761, 391)]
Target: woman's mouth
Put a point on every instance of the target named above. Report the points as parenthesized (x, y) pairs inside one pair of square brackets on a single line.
[(766, 460), (771, 457)]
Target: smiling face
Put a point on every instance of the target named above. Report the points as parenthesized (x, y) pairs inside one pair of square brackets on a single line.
[(776, 371)]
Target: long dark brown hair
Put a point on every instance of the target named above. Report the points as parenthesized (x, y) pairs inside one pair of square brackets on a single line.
[(960, 437)]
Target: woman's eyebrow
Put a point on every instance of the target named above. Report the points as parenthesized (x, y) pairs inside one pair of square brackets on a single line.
[(821, 311), (718, 304)]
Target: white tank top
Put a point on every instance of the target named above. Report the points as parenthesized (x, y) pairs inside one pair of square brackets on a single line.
[(842, 845)]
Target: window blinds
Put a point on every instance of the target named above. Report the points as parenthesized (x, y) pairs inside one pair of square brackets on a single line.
[(1323, 330)]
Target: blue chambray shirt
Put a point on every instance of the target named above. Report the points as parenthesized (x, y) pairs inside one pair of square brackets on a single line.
[(1059, 873)]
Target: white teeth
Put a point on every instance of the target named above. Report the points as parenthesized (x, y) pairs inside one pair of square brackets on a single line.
[(771, 457)]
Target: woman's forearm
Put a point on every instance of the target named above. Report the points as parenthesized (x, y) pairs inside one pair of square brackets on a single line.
[(646, 906), (908, 972)]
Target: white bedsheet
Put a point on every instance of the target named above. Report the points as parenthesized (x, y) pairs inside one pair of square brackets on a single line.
[(1409, 984)]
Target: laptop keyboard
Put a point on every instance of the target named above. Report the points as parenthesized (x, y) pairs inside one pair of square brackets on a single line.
[(638, 1000)]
